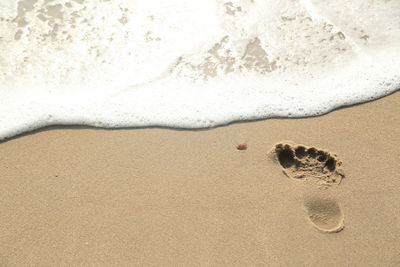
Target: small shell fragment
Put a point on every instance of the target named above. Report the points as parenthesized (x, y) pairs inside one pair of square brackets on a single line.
[(242, 146)]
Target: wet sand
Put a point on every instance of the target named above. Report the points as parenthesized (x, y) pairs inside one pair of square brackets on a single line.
[(72, 196)]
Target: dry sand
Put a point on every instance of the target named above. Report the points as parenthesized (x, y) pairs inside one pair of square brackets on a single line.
[(171, 197)]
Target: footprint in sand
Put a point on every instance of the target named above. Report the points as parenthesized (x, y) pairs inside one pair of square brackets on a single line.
[(309, 164), (325, 215), (319, 167)]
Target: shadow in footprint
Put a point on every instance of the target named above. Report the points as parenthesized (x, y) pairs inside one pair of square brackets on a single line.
[(309, 163), (325, 215)]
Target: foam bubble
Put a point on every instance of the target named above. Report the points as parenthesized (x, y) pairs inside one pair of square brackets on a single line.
[(190, 64)]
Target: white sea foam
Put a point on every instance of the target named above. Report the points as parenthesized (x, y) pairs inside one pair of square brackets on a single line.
[(191, 64)]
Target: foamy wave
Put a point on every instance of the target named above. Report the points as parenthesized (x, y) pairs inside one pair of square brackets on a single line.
[(191, 64)]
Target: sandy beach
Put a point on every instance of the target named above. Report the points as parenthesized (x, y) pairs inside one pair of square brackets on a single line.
[(93, 197)]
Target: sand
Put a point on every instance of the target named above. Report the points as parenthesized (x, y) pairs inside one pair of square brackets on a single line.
[(91, 197)]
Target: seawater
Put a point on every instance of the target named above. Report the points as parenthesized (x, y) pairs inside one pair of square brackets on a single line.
[(191, 64)]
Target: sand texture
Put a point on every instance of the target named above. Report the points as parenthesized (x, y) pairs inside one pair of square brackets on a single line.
[(320, 191)]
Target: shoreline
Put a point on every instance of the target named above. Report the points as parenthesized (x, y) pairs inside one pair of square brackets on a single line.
[(88, 127)]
